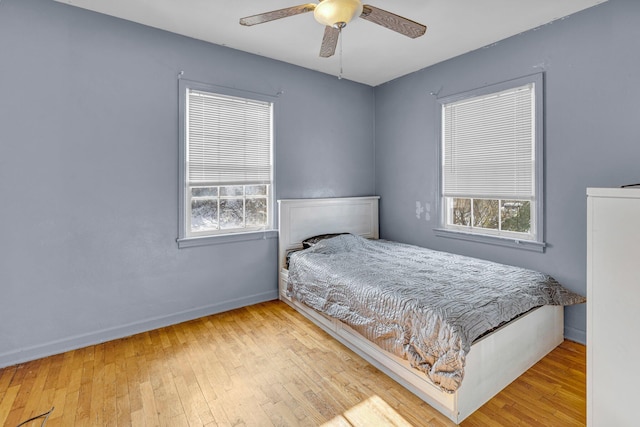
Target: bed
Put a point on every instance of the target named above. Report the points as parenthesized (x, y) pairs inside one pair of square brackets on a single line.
[(493, 361)]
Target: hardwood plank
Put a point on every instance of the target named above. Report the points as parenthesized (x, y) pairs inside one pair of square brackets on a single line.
[(261, 365), (68, 416), (123, 408), (109, 404), (6, 376), (138, 418), (149, 409), (189, 400), (83, 408), (6, 404), (98, 384), (374, 411), (32, 405), (58, 403)]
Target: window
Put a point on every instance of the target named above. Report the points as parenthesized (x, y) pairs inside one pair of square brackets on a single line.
[(226, 162), (491, 169)]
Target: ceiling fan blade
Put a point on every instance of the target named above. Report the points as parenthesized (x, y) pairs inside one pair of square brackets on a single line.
[(277, 14), (392, 21), (329, 41)]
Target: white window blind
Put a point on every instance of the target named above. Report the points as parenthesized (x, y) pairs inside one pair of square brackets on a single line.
[(489, 146), (229, 140)]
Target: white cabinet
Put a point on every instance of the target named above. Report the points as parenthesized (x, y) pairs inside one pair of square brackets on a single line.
[(613, 306)]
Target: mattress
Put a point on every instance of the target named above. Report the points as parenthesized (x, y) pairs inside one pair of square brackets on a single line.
[(422, 305)]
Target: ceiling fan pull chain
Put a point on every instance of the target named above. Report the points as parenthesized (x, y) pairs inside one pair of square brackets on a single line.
[(340, 37)]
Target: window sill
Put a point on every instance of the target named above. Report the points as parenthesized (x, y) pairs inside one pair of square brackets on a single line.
[(528, 245), (190, 242)]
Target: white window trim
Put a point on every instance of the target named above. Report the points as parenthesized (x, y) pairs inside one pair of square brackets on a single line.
[(538, 243), (185, 240)]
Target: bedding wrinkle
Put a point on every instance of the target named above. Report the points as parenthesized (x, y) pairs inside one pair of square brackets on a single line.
[(422, 305)]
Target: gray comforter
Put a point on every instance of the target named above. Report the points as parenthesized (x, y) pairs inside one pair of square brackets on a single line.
[(422, 305)]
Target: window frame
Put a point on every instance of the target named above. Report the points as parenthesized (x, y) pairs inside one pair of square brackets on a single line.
[(185, 238), (537, 213)]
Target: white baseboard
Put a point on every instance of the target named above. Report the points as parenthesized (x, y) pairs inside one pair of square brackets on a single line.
[(83, 340)]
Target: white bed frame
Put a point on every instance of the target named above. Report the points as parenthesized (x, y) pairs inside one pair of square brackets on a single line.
[(493, 362)]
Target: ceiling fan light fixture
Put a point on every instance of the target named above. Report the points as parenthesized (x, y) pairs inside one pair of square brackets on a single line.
[(337, 13)]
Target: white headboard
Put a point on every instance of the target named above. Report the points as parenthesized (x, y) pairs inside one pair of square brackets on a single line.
[(303, 218)]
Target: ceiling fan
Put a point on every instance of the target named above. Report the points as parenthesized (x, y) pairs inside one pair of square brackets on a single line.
[(336, 14)]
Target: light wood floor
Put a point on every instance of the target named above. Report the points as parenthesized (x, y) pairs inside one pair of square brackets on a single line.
[(263, 365)]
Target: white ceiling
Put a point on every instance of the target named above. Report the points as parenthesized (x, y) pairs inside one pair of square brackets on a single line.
[(371, 54)]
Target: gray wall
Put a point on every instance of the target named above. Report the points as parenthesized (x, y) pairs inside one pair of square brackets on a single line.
[(88, 175), (591, 62)]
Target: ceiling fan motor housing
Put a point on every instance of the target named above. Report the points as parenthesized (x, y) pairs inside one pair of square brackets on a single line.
[(337, 13)]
